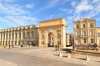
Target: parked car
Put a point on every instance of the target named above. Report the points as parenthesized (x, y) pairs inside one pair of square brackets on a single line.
[(15, 46)]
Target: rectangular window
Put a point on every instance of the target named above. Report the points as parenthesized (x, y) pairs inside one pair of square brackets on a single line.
[(84, 33), (84, 25), (13, 35), (91, 33), (77, 26), (16, 35), (77, 33), (6, 36), (23, 34), (98, 34), (19, 35), (9, 36), (91, 40), (91, 25), (84, 40), (28, 34), (33, 34)]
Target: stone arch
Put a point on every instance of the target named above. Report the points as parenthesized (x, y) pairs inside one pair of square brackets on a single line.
[(50, 39)]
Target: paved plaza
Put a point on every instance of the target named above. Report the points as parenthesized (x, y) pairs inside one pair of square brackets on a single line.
[(35, 56)]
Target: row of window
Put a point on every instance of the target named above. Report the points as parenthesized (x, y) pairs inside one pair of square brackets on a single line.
[(84, 25), (16, 35), (85, 41), (85, 33)]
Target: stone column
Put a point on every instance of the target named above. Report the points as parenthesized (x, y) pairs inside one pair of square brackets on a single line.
[(11, 36), (21, 35), (55, 38), (5, 38), (46, 39), (2, 39), (14, 36), (88, 40), (17, 35), (13, 42), (63, 37), (8, 38), (39, 38)]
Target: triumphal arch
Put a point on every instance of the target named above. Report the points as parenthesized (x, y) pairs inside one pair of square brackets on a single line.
[(52, 33)]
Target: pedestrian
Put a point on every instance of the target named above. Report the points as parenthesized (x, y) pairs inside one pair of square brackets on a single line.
[(9, 46)]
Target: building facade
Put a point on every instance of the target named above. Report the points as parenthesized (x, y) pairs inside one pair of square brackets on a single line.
[(52, 33), (25, 35), (86, 32)]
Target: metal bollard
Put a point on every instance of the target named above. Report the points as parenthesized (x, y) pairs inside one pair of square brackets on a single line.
[(57, 52), (68, 55), (87, 58), (60, 54)]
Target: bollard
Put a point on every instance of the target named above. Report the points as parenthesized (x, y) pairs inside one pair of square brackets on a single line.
[(60, 54), (68, 55), (57, 53), (87, 58)]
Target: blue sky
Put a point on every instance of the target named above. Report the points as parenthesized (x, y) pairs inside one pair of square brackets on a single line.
[(15, 13)]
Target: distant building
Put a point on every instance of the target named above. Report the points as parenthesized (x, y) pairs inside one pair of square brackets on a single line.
[(86, 32), (69, 39)]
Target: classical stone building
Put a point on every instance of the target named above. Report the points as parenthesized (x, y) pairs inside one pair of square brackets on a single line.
[(49, 33), (25, 35), (86, 32), (52, 33)]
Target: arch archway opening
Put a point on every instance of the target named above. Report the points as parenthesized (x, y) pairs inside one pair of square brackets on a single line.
[(50, 40)]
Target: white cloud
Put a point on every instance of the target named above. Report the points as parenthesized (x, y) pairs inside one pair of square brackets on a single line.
[(12, 9), (83, 6), (73, 3), (70, 17), (21, 20), (15, 21), (8, 22), (95, 1), (7, 1), (63, 9), (29, 6)]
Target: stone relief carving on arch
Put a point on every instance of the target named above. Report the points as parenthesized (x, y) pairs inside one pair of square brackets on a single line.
[(58, 31), (42, 38), (42, 32), (58, 38)]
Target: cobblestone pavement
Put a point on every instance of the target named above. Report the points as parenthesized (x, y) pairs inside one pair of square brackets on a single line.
[(31, 57)]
